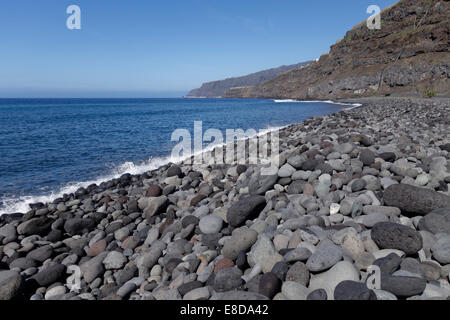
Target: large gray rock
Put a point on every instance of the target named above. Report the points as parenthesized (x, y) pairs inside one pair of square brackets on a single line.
[(155, 206), (298, 273), (367, 157), (114, 260), (437, 221), (41, 254), (298, 254), (328, 280), (294, 290), (39, 226), (263, 253), (403, 286), (236, 295), (50, 275), (413, 200), (441, 250), (11, 284), (8, 232), (389, 235), (353, 290), (79, 226), (227, 279), (241, 240), (245, 209), (325, 256), (259, 184), (92, 268), (317, 295), (210, 224)]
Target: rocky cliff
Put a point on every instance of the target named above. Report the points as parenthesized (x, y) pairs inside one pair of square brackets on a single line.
[(408, 55), (219, 88)]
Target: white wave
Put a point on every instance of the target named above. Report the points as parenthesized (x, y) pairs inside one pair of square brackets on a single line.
[(285, 101), (353, 105), (21, 204)]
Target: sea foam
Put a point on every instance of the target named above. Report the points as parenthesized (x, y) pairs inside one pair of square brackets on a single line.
[(22, 203)]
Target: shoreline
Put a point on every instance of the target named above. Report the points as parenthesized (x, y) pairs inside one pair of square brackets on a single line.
[(71, 187), (153, 163)]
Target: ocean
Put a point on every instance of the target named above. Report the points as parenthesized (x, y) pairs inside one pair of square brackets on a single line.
[(49, 147)]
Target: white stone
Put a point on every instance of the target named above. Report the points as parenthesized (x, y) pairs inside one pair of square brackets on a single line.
[(334, 208), (328, 280), (294, 291)]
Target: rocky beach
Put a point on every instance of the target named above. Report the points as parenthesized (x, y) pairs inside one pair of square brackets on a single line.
[(359, 190)]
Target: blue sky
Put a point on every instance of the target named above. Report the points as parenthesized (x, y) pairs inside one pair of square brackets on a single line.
[(160, 48)]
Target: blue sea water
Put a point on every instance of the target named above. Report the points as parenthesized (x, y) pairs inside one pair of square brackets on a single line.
[(53, 146)]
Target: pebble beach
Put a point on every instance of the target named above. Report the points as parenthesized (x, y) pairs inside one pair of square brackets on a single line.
[(361, 188)]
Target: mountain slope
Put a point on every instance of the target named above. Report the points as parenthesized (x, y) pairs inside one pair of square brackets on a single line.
[(409, 54), (218, 88)]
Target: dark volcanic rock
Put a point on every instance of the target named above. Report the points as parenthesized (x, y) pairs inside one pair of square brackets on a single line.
[(414, 200), (367, 157), (403, 286), (259, 184), (269, 285), (241, 260), (317, 295), (40, 226), (79, 226), (445, 147), (280, 269), (241, 169), (11, 284), (7, 218), (352, 290), (389, 235), (22, 263), (245, 209)]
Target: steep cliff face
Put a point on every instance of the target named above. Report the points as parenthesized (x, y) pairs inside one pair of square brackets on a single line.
[(219, 88), (409, 54)]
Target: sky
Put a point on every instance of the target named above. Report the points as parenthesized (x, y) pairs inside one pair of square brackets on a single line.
[(164, 48)]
